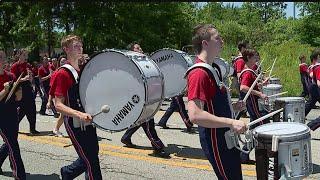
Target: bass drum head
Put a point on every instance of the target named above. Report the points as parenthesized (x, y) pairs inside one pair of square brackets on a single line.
[(111, 78), (173, 66)]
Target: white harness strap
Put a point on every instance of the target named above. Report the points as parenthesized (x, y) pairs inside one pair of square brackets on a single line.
[(72, 70), (244, 70), (211, 69), (219, 83)]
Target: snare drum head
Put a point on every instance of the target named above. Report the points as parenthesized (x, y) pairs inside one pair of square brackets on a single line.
[(274, 79), (173, 65), (111, 78), (272, 86), (280, 129), (290, 99)]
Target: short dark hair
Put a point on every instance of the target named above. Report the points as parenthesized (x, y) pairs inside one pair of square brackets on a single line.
[(248, 53), (130, 46), (200, 33), (315, 53), (242, 44), (302, 57)]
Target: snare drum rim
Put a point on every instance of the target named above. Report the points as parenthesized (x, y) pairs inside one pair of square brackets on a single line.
[(283, 138), (185, 61), (144, 83), (291, 99)]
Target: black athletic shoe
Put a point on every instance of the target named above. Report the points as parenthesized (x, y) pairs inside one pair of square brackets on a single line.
[(128, 143)]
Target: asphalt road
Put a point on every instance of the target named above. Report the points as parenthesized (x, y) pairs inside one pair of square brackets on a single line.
[(44, 155)]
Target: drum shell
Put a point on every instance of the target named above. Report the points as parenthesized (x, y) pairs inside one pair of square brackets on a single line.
[(125, 72), (271, 89), (274, 81), (173, 64), (294, 149), (294, 109)]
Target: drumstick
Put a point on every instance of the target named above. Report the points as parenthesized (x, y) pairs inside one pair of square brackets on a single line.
[(251, 88), (260, 64), (249, 91), (15, 84), (264, 117), (272, 66), (104, 109), (278, 94)]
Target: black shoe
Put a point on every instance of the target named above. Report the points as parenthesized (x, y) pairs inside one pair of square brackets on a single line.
[(313, 125), (190, 129), (164, 126), (56, 115), (33, 132), (128, 143), (43, 113), (63, 175), (1, 172), (161, 153)]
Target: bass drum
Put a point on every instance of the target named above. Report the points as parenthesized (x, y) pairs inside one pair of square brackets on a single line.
[(129, 82), (226, 69), (173, 65)]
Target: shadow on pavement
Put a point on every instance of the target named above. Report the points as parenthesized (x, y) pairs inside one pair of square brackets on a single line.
[(35, 176), (186, 151)]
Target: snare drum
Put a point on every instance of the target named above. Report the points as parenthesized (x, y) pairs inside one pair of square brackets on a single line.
[(291, 142), (173, 65), (129, 82), (271, 89), (274, 81), (294, 108)]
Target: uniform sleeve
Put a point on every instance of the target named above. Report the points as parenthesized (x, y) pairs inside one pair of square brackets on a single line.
[(246, 79), (60, 85), (317, 73), (41, 73), (198, 85), (239, 65), (14, 70)]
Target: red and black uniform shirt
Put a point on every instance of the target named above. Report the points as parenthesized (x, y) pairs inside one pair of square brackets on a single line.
[(201, 86), (6, 77), (247, 78), (238, 64), (303, 68), (17, 68)]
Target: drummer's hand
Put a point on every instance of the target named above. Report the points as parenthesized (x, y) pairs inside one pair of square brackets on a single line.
[(266, 81), (6, 86), (85, 117), (239, 105), (238, 126), (263, 96), (26, 78)]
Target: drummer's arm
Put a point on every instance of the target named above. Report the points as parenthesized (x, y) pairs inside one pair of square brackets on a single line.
[(65, 110), (4, 91), (203, 118), (245, 89)]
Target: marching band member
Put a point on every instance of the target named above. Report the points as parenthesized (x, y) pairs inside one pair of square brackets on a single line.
[(9, 124), (209, 108), (27, 104), (77, 123), (303, 68)]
